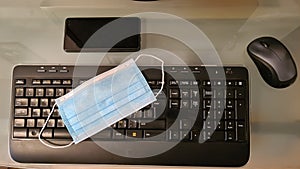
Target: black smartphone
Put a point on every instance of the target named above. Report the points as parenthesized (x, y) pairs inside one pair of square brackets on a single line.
[(105, 34)]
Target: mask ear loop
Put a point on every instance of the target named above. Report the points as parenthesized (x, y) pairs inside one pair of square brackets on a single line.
[(162, 70), (41, 132)]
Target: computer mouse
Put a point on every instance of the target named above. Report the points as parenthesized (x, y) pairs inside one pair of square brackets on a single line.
[(273, 61)]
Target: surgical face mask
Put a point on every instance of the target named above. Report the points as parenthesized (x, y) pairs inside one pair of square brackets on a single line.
[(103, 100)]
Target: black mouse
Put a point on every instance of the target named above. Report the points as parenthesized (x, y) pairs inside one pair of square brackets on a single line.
[(274, 61)]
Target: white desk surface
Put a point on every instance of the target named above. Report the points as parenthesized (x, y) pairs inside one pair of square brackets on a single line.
[(31, 32)]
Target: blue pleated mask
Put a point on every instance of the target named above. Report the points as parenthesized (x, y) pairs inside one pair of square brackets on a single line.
[(104, 100)]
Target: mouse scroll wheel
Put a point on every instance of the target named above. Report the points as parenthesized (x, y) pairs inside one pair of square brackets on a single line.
[(265, 44)]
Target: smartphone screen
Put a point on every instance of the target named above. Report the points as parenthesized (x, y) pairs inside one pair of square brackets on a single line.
[(109, 34)]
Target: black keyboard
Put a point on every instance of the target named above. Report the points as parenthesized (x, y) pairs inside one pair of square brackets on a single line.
[(205, 119)]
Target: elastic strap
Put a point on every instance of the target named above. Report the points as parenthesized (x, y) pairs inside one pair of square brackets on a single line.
[(162, 70), (47, 143)]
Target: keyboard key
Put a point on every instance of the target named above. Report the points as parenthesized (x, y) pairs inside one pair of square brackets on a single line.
[(195, 104), (138, 114), (34, 102), (47, 133), (59, 92), (118, 134), (30, 123), (194, 136), (61, 134), (20, 112), (155, 134), (21, 102), (174, 104), (241, 110), (40, 122), (33, 133), (29, 92), (185, 93), (230, 83), (219, 114), (230, 104), (241, 133), (46, 112), (240, 94), (152, 83), (240, 83), (55, 113), (52, 71), (39, 92), (63, 71), (219, 104), (207, 104), (51, 123), (19, 92), (68, 90), (46, 82), (184, 83), (230, 94), (131, 134), (185, 124), (67, 82), (221, 125), (174, 93), (44, 102), (19, 123), (207, 93), (20, 82), (207, 114), (60, 123), (195, 93), (41, 70), (185, 104), (49, 92), (209, 125), (230, 136), (205, 135), (132, 124), (36, 82), (20, 132), (157, 124), (206, 83), (36, 113), (220, 93), (185, 135), (229, 115), (122, 124), (56, 82), (173, 135), (173, 83), (230, 125), (52, 102), (149, 114)]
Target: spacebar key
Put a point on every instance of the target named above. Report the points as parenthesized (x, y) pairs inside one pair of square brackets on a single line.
[(61, 133), (157, 124)]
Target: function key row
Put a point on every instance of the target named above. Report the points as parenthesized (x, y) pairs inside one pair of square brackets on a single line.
[(45, 82), (35, 112), (220, 83), (238, 83), (52, 69), (41, 92)]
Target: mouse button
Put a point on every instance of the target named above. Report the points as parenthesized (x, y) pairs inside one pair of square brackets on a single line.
[(286, 71), (257, 50), (266, 72)]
